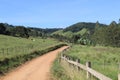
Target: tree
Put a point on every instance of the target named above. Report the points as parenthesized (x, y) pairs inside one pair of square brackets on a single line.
[(97, 25), (113, 24), (2, 28), (113, 34), (107, 36), (119, 21), (20, 31), (99, 36)]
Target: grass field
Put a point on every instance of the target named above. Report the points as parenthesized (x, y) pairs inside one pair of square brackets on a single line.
[(12, 46), (103, 59), (16, 51)]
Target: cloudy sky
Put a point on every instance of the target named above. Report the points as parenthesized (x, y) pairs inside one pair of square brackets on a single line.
[(58, 13)]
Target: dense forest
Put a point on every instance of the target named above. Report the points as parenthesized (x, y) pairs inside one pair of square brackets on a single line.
[(84, 33)]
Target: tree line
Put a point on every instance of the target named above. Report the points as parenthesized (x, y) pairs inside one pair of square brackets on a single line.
[(107, 36), (80, 33), (24, 32), (91, 34)]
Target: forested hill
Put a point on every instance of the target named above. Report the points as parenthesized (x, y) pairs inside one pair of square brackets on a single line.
[(81, 33), (23, 31), (79, 26), (91, 34)]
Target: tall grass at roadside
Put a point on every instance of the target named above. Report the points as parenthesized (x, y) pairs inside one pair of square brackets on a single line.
[(103, 59), (58, 72), (63, 71), (72, 71)]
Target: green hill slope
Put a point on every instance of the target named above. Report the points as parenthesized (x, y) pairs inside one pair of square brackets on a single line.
[(12, 46), (79, 26)]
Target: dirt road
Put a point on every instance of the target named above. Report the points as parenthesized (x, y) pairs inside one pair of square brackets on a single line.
[(36, 69)]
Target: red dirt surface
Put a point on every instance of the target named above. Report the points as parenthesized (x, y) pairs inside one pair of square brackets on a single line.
[(36, 69)]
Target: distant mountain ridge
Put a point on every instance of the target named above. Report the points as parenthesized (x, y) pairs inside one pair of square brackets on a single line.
[(79, 26), (22, 31)]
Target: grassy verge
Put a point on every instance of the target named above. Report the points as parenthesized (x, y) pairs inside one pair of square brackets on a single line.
[(8, 63), (12, 46), (104, 59), (63, 71), (58, 72)]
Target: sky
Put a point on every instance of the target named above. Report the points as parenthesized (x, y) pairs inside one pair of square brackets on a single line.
[(58, 13)]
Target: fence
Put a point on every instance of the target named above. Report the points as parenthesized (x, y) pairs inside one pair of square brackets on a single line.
[(90, 72), (14, 51)]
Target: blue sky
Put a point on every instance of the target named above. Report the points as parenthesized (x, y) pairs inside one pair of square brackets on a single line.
[(58, 13)]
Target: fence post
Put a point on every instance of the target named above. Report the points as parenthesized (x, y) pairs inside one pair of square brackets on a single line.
[(3, 51), (78, 61), (64, 57), (118, 76), (88, 65), (67, 57), (69, 60), (72, 64)]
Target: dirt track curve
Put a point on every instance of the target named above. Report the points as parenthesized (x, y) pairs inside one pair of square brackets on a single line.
[(36, 69)]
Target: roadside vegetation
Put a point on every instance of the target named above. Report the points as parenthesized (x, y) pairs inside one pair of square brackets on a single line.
[(12, 46), (91, 34), (62, 71), (94, 42), (105, 60), (58, 71), (20, 50)]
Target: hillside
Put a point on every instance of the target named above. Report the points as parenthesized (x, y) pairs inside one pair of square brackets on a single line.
[(91, 34), (13, 46), (79, 26), (70, 33), (23, 31)]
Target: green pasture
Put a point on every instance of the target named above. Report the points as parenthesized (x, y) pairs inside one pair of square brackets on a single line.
[(14, 46), (105, 60)]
